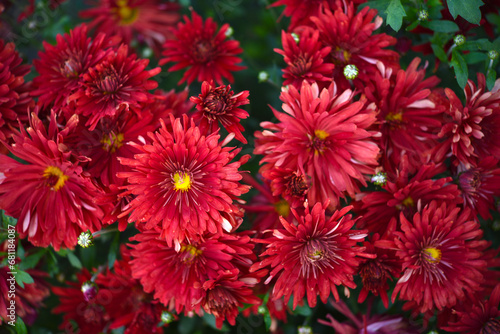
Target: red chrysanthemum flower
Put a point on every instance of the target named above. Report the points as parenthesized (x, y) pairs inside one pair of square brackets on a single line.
[(28, 299), (404, 193), (352, 42), (291, 185), (301, 11), (108, 141), (375, 272), (367, 323), (440, 252), (226, 293), (471, 130), (185, 182), (478, 318), (305, 60), (479, 185), (14, 92), (62, 66), (143, 20), (176, 277), (48, 194), (409, 120), (82, 314), (314, 256), (204, 51), (325, 137), (130, 305), (117, 83), (219, 104)]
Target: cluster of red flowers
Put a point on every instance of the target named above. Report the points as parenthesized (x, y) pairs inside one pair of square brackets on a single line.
[(100, 145)]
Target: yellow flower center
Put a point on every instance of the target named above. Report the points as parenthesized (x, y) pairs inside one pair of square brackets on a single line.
[(55, 178), (394, 117), (282, 208), (321, 134), (112, 142), (189, 253), (182, 181), (432, 255), (408, 201), (126, 14)]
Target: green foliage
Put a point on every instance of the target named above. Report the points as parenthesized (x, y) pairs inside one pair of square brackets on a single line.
[(395, 13), (468, 9)]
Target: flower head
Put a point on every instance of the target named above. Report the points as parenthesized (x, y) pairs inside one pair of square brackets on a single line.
[(61, 67), (220, 105), (115, 85), (176, 277), (471, 130), (323, 135), (205, 53), (184, 181), (352, 41), (143, 20), (439, 248), (14, 92), (49, 194), (314, 256), (305, 60)]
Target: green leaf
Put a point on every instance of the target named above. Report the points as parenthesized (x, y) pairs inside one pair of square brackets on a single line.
[(460, 67), (21, 326), (267, 320), (479, 44), (439, 52), (32, 260), (441, 26), (395, 13), (468, 9), (380, 5), (113, 251), (413, 25), (491, 77), (475, 57), (23, 277), (74, 260)]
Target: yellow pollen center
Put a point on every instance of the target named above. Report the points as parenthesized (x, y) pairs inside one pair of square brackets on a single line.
[(321, 134), (433, 255), (408, 201), (189, 253), (112, 142), (316, 255), (282, 208), (182, 181), (126, 14), (55, 177), (394, 117)]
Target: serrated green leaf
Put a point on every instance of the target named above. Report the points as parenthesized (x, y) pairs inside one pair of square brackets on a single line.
[(21, 326), (460, 67), (441, 26), (468, 9), (395, 13), (23, 277), (74, 260), (491, 77), (439, 53)]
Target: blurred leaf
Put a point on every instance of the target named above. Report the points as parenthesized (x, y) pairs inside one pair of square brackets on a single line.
[(395, 14), (413, 25), (23, 277), (460, 67), (439, 52), (267, 320), (209, 319), (491, 77), (475, 57), (380, 5), (468, 9), (114, 249), (74, 260), (479, 44), (32, 260), (20, 326), (186, 325), (441, 26)]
